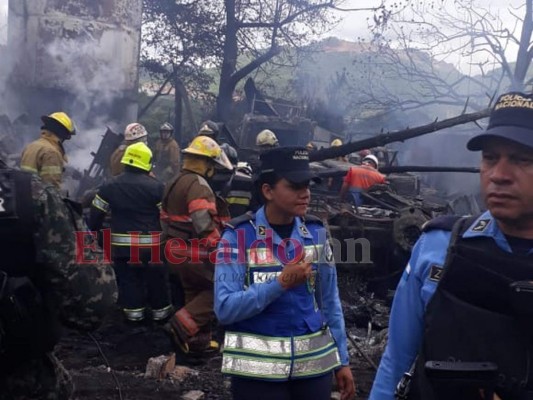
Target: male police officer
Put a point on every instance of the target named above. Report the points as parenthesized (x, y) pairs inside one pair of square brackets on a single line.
[(465, 295)]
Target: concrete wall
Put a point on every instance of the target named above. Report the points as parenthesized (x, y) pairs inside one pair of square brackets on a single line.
[(77, 55)]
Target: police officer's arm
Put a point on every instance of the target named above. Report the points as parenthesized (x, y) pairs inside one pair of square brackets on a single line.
[(51, 168), (407, 315), (232, 302), (82, 293), (328, 295)]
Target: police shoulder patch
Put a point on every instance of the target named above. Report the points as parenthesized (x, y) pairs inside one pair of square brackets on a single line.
[(435, 273), (481, 225), (303, 230)]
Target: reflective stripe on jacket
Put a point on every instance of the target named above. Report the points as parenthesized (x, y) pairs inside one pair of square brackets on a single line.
[(135, 239), (278, 358), (133, 198), (45, 157), (189, 209)]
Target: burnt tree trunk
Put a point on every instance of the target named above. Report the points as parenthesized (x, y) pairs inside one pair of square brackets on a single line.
[(178, 110), (229, 64)]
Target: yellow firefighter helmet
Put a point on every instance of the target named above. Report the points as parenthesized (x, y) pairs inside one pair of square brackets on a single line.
[(204, 146), (138, 155)]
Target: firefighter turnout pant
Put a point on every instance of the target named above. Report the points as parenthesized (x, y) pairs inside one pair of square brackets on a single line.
[(197, 314), (142, 285)]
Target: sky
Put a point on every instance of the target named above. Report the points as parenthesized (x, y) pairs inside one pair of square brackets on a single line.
[(354, 24), (3, 21)]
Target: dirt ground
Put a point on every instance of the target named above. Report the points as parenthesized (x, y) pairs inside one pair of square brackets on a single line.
[(111, 363)]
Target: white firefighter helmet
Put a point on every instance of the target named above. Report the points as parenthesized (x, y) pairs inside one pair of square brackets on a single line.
[(134, 131), (166, 127), (372, 158), (266, 138)]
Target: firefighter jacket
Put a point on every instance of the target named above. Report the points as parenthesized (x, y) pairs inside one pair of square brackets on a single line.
[(418, 286), (134, 200), (44, 282), (46, 158), (166, 159), (189, 210), (236, 188), (115, 166), (273, 333)]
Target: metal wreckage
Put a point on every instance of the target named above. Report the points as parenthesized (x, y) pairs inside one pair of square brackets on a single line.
[(374, 240)]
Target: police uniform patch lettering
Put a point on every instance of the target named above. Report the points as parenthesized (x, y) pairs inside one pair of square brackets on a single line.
[(304, 230), (481, 225), (435, 274), (261, 230)]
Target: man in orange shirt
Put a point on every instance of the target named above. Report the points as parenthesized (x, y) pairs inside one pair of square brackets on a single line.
[(362, 177)]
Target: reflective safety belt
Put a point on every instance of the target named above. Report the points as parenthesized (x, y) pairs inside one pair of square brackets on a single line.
[(126, 239), (278, 358)]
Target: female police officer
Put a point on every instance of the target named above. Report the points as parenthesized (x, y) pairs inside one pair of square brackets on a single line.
[(276, 292)]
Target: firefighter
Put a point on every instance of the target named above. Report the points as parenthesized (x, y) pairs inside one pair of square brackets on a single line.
[(337, 143), (360, 178), (166, 154), (335, 184), (210, 129), (235, 187), (266, 139), (134, 198), (190, 212), (276, 293), (46, 155), (133, 133)]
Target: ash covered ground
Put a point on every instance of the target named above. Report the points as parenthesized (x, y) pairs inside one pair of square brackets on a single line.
[(113, 366)]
